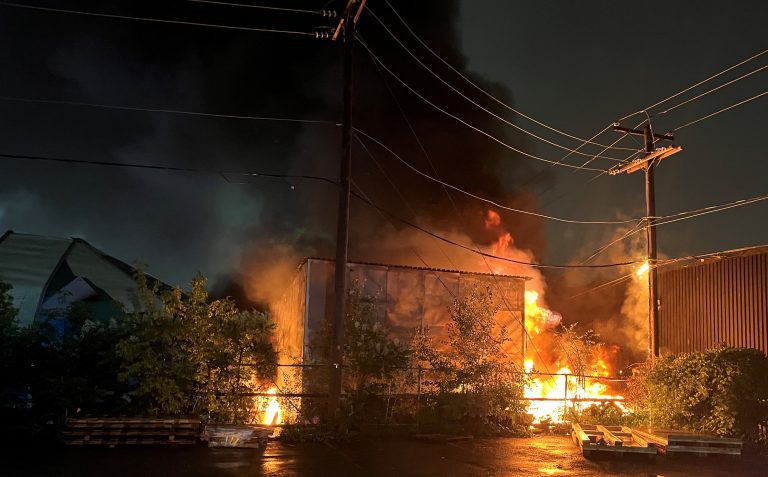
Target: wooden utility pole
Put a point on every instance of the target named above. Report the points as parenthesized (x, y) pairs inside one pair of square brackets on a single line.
[(647, 162), (345, 29)]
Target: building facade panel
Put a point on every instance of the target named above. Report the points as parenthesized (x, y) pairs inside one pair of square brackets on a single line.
[(720, 300)]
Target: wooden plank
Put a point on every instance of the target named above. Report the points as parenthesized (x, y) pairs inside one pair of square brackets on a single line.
[(610, 438), (702, 450)]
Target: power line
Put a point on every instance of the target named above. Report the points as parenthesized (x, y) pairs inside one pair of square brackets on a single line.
[(323, 12), (484, 133), (161, 110), (397, 189), (363, 196), (711, 90), (695, 85), (220, 173), (667, 219), (707, 210), (721, 111), (155, 20), (485, 254), (224, 174), (475, 196), (663, 263), (521, 320), (637, 227), (470, 100), (455, 70)]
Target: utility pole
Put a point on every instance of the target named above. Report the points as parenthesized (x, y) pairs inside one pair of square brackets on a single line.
[(346, 30), (652, 157)]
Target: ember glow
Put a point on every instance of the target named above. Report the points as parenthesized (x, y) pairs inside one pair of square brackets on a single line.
[(273, 415)]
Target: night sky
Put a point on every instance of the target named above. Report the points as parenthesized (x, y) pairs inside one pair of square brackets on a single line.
[(576, 66)]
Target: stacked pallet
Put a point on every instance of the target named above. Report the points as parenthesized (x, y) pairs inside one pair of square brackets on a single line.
[(597, 440), (131, 431), (244, 436), (671, 442), (618, 440)]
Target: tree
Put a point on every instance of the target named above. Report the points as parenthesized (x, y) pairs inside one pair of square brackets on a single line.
[(190, 355), (371, 355), (476, 381), (9, 333)]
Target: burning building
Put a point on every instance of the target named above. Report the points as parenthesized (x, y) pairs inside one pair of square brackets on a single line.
[(405, 299)]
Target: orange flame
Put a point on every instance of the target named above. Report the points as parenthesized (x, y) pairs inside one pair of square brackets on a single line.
[(273, 414), (550, 393), (642, 270)]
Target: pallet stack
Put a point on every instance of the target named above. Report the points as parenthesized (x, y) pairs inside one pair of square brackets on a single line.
[(595, 440), (131, 431), (672, 442)]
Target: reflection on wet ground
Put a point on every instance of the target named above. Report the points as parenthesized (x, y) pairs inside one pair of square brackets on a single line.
[(543, 456)]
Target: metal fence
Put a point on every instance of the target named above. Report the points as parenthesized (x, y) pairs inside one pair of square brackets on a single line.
[(398, 401)]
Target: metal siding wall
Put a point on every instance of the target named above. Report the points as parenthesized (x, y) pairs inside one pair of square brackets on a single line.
[(707, 304)]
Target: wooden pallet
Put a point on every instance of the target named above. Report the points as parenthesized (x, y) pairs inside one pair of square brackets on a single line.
[(672, 442), (243, 436), (131, 431), (597, 440)]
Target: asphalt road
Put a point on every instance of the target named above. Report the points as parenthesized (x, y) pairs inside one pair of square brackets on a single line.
[(545, 455)]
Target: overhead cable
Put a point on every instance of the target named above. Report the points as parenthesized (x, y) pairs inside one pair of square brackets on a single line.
[(667, 219), (167, 111), (223, 174), (155, 20), (323, 12), (475, 128), (711, 90), (447, 194), (474, 85), (720, 111), (476, 104), (486, 254), (475, 196), (683, 91)]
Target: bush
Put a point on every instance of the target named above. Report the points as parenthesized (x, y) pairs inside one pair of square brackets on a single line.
[(191, 355), (476, 387), (722, 391)]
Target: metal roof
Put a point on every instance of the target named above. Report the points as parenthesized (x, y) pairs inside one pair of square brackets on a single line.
[(30, 262), (702, 259), (391, 265)]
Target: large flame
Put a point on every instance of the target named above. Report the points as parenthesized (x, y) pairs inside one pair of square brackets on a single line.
[(273, 414), (551, 393)]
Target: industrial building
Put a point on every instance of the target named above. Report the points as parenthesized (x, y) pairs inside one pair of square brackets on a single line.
[(405, 299), (718, 299)]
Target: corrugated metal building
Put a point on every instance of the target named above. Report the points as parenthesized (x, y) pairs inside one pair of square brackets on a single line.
[(718, 299), (406, 298)]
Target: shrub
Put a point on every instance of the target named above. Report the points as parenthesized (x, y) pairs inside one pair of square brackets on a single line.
[(723, 391), (477, 387)]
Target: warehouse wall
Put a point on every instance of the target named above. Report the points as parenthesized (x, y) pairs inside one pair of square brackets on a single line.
[(719, 301), (406, 298)]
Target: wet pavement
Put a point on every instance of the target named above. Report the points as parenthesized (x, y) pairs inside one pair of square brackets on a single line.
[(544, 455)]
